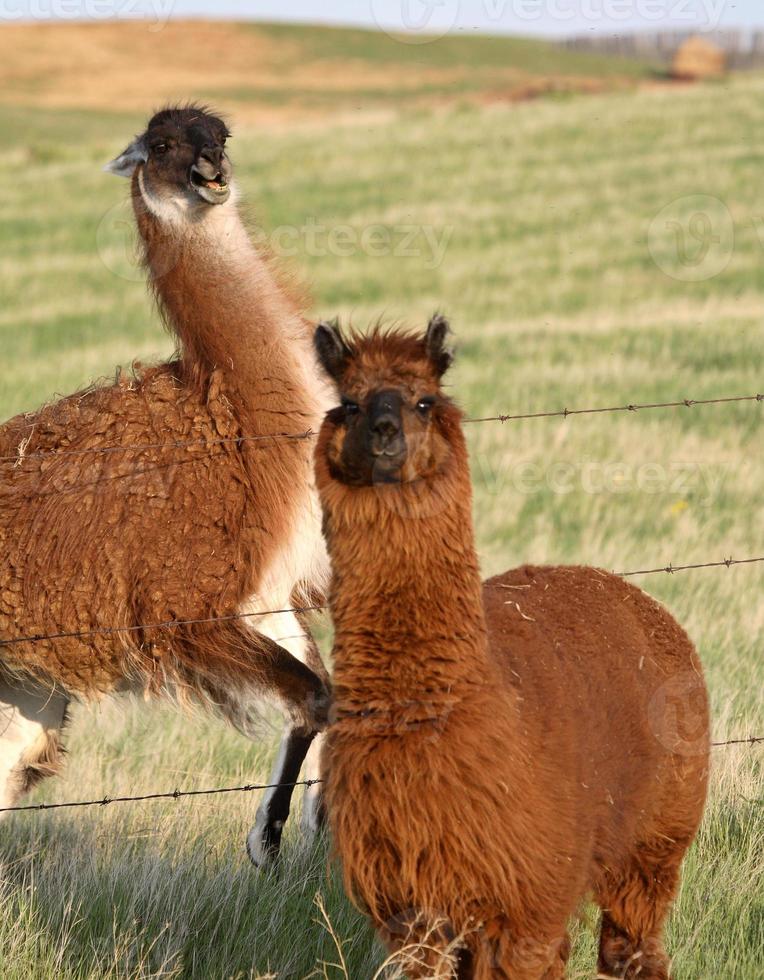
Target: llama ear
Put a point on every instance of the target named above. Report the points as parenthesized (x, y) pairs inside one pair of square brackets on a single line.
[(332, 348), (125, 164), (440, 354)]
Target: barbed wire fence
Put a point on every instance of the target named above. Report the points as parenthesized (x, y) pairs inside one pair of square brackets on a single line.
[(22, 455), (177, 794)]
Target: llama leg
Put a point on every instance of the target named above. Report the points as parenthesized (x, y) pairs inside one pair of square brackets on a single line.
[(635, 905), (236, 669), (499, 954), (290, 633), (31, 719), (422, 950), (305, 699)]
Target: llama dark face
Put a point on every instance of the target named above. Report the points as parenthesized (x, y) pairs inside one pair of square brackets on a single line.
[(387, 428), (181, 157)]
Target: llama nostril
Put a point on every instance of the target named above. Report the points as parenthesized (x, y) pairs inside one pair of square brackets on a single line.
[(212, 154), (386, 426)]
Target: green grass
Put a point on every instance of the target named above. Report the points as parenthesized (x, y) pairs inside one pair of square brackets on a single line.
[(549, 278)]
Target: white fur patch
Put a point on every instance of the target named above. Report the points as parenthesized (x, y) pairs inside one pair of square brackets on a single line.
[(187, 209), (27, 713)]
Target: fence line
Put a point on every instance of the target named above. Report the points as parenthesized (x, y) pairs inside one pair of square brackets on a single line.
[(178, 794), (175, 794), (296, 610), (21, 456), (147, 627), (752, 740), (565, 412), (670, 569)]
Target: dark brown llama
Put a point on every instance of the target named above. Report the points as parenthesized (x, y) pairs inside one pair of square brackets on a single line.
[(160, 534), (496, 752)]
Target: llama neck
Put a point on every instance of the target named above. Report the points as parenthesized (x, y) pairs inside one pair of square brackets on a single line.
[(220, 298), (406, 596)]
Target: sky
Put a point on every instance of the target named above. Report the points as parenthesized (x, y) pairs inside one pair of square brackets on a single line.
[(529, 17)]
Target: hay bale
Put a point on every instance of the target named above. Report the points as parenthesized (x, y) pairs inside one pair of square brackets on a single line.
[(697, 59)]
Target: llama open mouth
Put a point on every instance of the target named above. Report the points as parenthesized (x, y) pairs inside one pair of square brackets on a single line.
[(214, 189)]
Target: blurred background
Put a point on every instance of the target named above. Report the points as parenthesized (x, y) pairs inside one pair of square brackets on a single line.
[(578, 186)]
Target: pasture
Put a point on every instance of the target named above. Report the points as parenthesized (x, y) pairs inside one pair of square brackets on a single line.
[(591, 250)]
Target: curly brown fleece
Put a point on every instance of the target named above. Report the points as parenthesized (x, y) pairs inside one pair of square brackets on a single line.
[(498, 752)]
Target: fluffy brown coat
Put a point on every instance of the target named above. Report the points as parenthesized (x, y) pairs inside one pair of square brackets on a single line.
[(499, 751)]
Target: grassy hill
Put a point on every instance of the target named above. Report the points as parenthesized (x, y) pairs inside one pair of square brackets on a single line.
[(597, 250), (273, 73)]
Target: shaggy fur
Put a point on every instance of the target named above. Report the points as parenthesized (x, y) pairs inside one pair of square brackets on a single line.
[(497, 752), (93, 540)]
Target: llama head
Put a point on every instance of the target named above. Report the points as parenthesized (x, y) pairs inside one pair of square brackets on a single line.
[(394, 422), (180, 160)]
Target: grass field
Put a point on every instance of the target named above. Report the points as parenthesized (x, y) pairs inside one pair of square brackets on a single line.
[(563, 238)]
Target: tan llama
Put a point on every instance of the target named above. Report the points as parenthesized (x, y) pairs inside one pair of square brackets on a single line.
[(92, 540), (497, 752)]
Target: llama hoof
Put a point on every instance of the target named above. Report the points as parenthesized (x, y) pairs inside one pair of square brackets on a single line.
[(264, 843)]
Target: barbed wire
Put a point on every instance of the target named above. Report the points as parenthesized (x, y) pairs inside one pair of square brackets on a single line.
[(177, 794), (148, 627), (752, 740), (565, 412), (670, 569), (21, 456), (296, 610)]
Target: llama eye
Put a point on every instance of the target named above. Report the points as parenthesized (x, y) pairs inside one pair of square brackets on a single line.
[(351, 407), (424, 405), (160, 149)]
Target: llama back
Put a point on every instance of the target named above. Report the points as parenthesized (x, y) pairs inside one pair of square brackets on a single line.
[(590, 654)]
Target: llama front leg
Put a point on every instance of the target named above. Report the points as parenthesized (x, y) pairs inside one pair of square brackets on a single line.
[(243, 668), (305, 698), (297, 750), (264, 840)]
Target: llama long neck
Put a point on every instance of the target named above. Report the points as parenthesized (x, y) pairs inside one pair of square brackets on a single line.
[(406, 594), (220, 298)]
